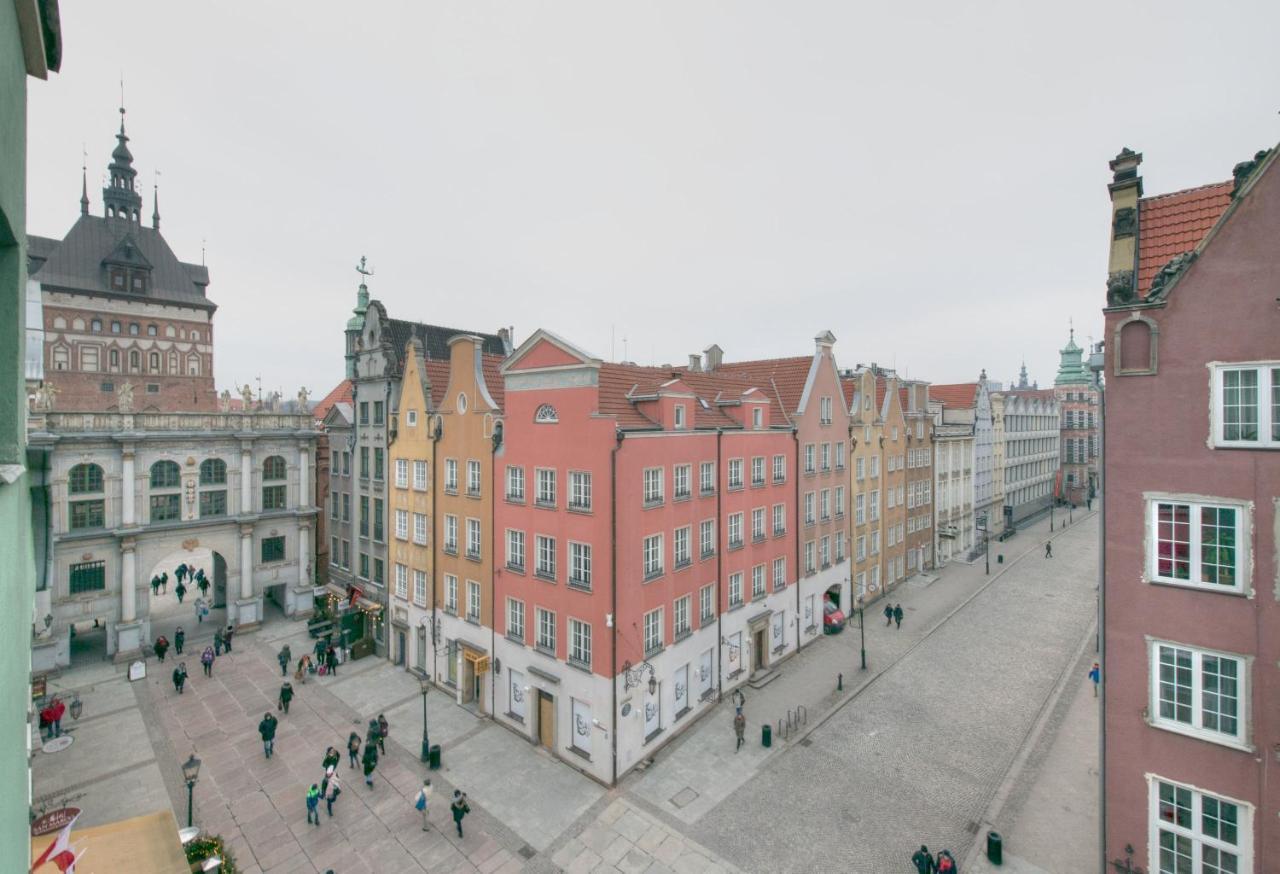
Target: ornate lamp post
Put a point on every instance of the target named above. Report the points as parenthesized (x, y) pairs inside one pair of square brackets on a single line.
[(426, 740), (634, 676), (862, 634), (191, 773)]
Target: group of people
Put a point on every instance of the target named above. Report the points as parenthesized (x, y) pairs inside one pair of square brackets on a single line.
[(51, 718), (325, 662), (893, 614), (160, 582), (926, 863), (221, 641)]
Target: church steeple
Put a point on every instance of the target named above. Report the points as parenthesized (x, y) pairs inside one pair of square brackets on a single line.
[(1071, 367), (120, 199), (84, 190), (155, 205)]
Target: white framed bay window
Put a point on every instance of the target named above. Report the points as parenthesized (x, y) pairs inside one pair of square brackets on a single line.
[(1200, 693), (1198, 542), (1196, 831)]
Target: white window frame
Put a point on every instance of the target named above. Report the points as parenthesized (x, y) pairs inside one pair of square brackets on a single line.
[(1267, 415), (515, 483), (735, 530), (679, 416), (402, 582), (515, 619), (545, 478), (839, 452), (475, 540), (580, 491), (580, 564), (757, 523), (707, 538), (653, 638), (779, 573), (515, 549), (1242, 849), (757, 470), (420, 476), (779, 519), (402, 524), (735, 589), (779, 468), (545, 557), (546, 629), (579, 642), (706, 604), (680, 617), (473, 601), (420, 529), (680, 546), (653, 482), (680, 476), (707, 477), (1244, 685), (651, 555), (735, 473), (473, 477), (450, 533), (451, 475), (451, 594), (402, 473), (420, 588), (1243, 541)]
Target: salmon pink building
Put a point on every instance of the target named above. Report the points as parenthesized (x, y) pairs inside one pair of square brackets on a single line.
[(1190, 483), (649, 555)]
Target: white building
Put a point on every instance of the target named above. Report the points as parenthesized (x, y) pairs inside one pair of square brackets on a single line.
[(1032, 422)]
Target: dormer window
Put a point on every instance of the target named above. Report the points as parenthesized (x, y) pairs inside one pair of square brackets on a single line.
[(138, 282), (679, 417), (117, 279), (757, 418)]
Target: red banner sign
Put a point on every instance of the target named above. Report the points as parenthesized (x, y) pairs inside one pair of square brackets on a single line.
[(54, 821)]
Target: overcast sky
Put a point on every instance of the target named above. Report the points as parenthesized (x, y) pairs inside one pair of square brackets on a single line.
[(927, 180)]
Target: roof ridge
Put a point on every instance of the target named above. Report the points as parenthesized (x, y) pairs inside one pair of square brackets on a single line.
[(1191, 190)]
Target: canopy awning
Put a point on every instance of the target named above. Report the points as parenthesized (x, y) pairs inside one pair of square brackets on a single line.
[(146, 844)]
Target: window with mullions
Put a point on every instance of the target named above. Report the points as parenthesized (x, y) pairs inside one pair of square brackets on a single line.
[(88, 513), (1246, 406), (1193, 831), (166, 479), (1200, 545), (273, 549), (89, 576), (1199, 692), (274, 497)]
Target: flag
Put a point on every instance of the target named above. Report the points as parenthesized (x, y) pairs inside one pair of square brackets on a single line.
[(59, 852)]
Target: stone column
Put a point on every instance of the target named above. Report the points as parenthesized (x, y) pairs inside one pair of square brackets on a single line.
[(304, 478), (246, 478), (304, 556), (128, 584), (127, 489), (246, 562)]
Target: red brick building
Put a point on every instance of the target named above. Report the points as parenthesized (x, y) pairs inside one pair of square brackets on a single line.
[(120, 308), (1190, 614)]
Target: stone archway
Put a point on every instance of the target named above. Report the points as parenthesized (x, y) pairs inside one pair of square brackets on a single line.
[(201, 608)]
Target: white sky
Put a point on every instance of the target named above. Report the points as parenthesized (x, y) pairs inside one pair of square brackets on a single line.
[(927, 180)]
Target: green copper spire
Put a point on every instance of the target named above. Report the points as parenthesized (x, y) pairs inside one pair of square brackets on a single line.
[(1071, 368), (356, 322)]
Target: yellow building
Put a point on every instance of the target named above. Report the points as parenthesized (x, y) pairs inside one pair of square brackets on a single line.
[(412, 495), (866, 483), (893, 451), (469, 415)]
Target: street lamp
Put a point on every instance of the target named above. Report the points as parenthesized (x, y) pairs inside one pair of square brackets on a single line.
[(986, 544), (426, 740), (76, 707), (862, 634), (633, 676), (191, 773)]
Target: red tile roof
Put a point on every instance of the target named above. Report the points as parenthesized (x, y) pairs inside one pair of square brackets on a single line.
[(620, 382), (493, 379), (341, 394), (1170, 224), (958, 396), (850, 387), (782, 379)]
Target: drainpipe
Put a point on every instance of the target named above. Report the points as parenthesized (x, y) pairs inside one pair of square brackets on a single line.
[(795, 442), (436, 431), (719, 581), (1102, 617), (613, 594), (493, 541)]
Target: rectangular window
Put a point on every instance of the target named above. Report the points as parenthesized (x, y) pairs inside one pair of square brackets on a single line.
[(364, 566), (862, 547), (473, 539), (88, 576), (377, 463), (580, 643), (377, 519), (420, 529), (546, 631), (874, 504), (1193, 831), (779, 573), (473, 478), (346, 554), (653, 556), (757, 470), (825, 551), (165, 508), (680, 617), (824, 411), (346, 464), (364, 515), (364, 462), (826, 456), (859, 468), (779, 519), (451, 594), (515, 483), (402, 524), (679, 417), (1246, 405), (680, 478), (377, 413), (333, 510), (707, 537), (839, 539), (809, 552), (346, 507), (824, 504), (580, 491), (402, 582), (889, 497), (451, 534), (420, 588), (779, 468), (809, 503), (335, 553), (546, 547), (839, 502), (735, 590), (875, 466), (272, 549), (1199, 692), (274, 497), (473, 601), (420, 476), (839, 453), (451, 475), (515, 619), (546, 478), (757, 523), (515, 549), (875, 542), (680, 546), (364, 412), (735, 473), (735, 530), (707, 603), (377, 570), (707, 477), (580, 565), (653, 632), (810, 454), (757, 581), (1200, 545)]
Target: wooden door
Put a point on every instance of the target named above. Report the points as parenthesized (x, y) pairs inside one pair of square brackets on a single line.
[(546, 720), (758, 651)]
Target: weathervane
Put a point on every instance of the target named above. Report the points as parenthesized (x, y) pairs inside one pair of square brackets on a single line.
[(362, 270)]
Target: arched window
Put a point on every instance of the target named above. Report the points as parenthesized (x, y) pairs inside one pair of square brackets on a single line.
[(96, 325), (133, 328), (166, 479), (155, 362), (151, 330), (89, 511), (274, 497), (135, 360), (546, 414), (213, 488), (115, 359)]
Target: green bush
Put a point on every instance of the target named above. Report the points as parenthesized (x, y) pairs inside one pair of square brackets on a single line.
[(205, 847)]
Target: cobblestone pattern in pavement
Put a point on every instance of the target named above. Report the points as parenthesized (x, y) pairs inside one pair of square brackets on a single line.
[(917, 755)]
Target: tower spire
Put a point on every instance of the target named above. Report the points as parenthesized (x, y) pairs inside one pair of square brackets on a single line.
[(84, 181), (155, 202), (120, 199)]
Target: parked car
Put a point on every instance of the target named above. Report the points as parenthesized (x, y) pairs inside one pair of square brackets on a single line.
[(833, 620)]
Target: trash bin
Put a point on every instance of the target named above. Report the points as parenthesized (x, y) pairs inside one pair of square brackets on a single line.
[(433, 757), (766, 735), (995, 848)]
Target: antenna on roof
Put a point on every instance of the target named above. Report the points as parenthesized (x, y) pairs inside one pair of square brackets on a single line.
[(202, 242)]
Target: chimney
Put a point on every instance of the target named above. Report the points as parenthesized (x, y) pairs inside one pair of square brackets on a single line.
[(714, 356), (504, 334), (1125, 189), (695, 363)]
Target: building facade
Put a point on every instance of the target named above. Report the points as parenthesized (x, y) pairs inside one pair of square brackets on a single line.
[(1191, 619), (1032, 440), (867, 482), (997, 518), (893, 438), (121, 312), (954, 409), (1076, 392), (914, 396), (132, 495)]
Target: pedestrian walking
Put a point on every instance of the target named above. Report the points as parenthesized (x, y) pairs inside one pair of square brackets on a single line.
[(180, 676), (371, 734), (335, 789), (180, 591), (331, 759), (331, 660), (206, 661), (46, 722), (217, 642), (57, 709), (286, 695), (324, 782), (164, 583), (888, 615), (317, 651), (946, 863), (1048, 550), (313, 804), (739, 728), (200, 610), (1095, 674), (180, 571), (383, 730), (423, 801), (923, 861), (226, 637), (369, 762), (304, 664), (267, 728), (161, 646), (178, 637), (155, 587), (284, 658), (459, 808), (353, 748), (897, 615)]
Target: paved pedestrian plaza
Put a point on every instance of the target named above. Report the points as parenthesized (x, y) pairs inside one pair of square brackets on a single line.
[(954, 721)]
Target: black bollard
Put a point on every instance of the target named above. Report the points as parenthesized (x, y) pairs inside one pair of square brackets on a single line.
[(839, 682)]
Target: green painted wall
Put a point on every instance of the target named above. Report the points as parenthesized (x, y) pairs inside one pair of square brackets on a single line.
[(17, 559)]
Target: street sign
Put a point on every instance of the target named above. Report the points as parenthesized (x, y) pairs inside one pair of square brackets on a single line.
[(54, 820)]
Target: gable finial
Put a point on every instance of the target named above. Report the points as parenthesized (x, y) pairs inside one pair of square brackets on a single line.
[(84, 180), (155, 202)]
